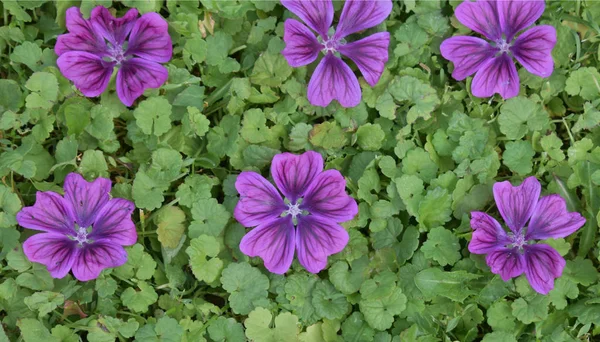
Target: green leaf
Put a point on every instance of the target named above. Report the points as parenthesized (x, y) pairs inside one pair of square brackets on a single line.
[(564, 288), (33, 330), (44, 90), (499, 336), (254, 129), (195, 51), (355, 328), (27, 53), (170, 223), (420, 95), (453, 285), (192, 96), (93, 164), (9, 207), (153, 116), (200, 249), (534, 309), (139, 264), (194, 188), (195, 123), (44, 302), (581, 271), (499, 316), (551, 145), (435, 208), (220, 44), (584, 82), (76, 120), (270, 70), (298, 290), (10, 96), (328, 302), (209, 216), (226, 329), (349, 281), (370, 137), (588, 120), (520, 115), (247, 287), (442, 246), (139, 301), (379, 313), (258, 326), (328, 135), (518, 156), (418, 162)]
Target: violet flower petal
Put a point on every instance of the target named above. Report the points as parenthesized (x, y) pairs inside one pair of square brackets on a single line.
[(274, 242), (317, 14), (327, 197), (358, 15), (333, 80), (533, 49), (89, 72), (115, 30), (81, 36), (467, 53), (113, 222), (507, 262), (481, 16), (95, 257), (136, 75), (517, 15), (517, 203), (56, 251), (259, 200), (488, 234), (50, 213), (316, 239), (550, 219), (86, 198), (544, 264), (293, 173), (370, 55), (301, 46), (149, 39), (497, 75)]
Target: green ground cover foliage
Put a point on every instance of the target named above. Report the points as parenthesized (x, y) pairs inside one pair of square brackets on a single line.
[(419, 153)]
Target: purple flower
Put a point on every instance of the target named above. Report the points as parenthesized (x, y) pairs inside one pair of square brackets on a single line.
[(492, 60), (93, 47), (307, 222), (511, 254), (83, 231), (333, 78)]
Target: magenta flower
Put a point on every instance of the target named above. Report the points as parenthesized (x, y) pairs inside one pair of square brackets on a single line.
[(492, 61), (83, 231), (94, 47), (333, 78), (307, 222), (511, 254)]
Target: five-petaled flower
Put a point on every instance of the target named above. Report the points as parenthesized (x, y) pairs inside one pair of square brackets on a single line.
[(333, 78), (492, 62), (84, 230), (94, 47), (513, 253), (306, 222)]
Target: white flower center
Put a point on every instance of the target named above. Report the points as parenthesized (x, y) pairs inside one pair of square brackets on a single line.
[(293, 209), (116, 53), (517, 240), (82, 235), (331, 44), (503, 45)]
